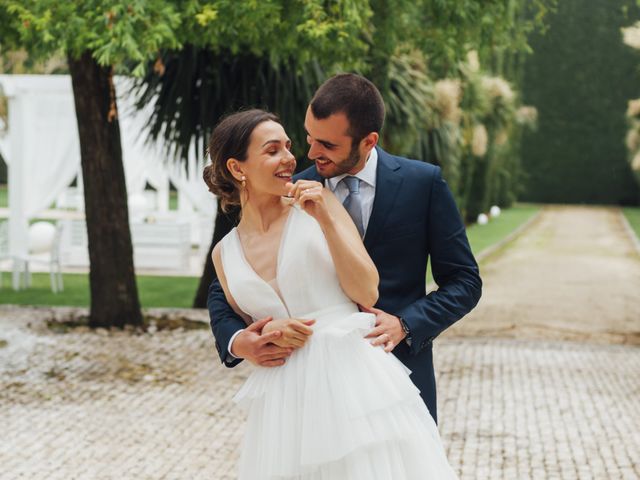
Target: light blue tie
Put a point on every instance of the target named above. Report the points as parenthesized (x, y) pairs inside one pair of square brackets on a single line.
[(353, 202)]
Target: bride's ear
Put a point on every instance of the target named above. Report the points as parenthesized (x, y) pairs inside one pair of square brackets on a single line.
[(235, 167)]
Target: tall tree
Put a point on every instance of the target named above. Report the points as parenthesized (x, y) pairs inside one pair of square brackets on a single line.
[(96, 37)]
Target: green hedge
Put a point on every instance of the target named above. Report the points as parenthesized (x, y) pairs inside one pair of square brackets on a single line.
[(633, 217), (580, 78)]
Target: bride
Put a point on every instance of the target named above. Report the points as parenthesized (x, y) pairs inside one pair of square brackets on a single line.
[(339, 408)]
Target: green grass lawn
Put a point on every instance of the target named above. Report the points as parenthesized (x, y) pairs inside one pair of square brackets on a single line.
[(173, 200), (482, 237), (633, 216), (4, 196), (176, 292)]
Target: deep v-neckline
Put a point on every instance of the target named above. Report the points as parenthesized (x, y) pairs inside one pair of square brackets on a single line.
[(283, 237)]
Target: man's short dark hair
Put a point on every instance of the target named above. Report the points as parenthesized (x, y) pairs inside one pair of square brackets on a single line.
[(356, 97)]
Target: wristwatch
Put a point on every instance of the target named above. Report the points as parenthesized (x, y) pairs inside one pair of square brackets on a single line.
[(405, 329)]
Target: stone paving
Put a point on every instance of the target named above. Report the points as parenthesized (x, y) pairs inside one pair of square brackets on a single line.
[(129, 405)]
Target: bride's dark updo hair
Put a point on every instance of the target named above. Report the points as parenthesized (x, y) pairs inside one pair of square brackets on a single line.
[(230, 139)]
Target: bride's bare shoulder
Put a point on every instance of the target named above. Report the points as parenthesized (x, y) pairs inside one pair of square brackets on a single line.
[(216, 256), (216, 252)]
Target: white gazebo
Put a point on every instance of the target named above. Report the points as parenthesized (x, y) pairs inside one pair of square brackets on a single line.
[(41, 147)]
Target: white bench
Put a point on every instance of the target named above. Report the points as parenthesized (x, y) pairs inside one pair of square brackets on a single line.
[(159, 245)]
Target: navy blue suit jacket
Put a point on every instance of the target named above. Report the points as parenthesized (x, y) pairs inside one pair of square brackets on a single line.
[(414, 218)]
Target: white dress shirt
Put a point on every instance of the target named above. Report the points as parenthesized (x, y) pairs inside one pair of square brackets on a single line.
[(367, 194), (367, 187)]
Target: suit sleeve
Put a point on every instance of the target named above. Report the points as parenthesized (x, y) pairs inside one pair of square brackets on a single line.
[(454, 270), (224, 322)]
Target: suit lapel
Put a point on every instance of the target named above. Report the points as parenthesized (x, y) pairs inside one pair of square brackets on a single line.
[(388, 181), (310, 173)]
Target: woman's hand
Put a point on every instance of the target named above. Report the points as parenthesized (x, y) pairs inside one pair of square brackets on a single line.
[(295, 332), (309, 195)]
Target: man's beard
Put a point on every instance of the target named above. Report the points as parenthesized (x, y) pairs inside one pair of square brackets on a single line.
[(344, 166)]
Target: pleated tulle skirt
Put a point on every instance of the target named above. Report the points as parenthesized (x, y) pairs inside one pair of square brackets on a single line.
[(339, 409)]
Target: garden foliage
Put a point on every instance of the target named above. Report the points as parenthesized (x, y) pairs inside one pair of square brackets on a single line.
[(632, 38), (411, 50)]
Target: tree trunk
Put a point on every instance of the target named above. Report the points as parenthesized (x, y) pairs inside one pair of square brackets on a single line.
[(224, 223), (114, 294)]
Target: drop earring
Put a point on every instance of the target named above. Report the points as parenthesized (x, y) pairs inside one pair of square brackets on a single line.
[(243, 181)]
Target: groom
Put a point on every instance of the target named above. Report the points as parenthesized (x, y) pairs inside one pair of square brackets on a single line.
[(406, 214)]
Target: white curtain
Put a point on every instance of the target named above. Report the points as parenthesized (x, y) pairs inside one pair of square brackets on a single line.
[(53, 150), (42, 148), (188, 181), (143, 161), (50, 149), (46, 138), (147, 162)]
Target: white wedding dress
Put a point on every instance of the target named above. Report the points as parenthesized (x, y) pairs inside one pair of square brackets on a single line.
[(339, 408)]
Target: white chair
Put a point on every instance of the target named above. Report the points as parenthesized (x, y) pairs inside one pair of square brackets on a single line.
[(44, 248), (74, 243), (161, 245)]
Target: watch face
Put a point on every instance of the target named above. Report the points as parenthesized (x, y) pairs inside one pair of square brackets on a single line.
[(405, 328)]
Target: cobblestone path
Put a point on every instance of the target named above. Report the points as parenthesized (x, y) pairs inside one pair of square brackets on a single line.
[(81, 405)]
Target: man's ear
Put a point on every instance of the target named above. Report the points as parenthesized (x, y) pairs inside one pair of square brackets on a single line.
[(235, 167), (370, 141)]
